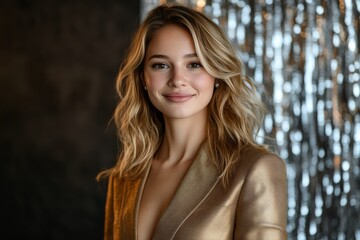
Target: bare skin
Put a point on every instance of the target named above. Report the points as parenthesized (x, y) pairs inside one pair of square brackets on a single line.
[(168, 169), (172, 67)]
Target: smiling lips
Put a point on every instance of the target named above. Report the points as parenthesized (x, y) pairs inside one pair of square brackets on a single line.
[(178, 97)]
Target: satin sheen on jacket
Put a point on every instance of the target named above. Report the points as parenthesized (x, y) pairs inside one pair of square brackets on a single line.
[(252, 206)]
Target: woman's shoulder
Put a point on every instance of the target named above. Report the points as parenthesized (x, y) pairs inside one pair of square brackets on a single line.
[(258, 159), (117, 181), (257, 154)]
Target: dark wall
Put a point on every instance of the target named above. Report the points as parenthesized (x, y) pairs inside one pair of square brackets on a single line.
[(58, 63)]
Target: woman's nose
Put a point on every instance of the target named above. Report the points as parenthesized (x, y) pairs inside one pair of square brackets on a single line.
[(177, 78)]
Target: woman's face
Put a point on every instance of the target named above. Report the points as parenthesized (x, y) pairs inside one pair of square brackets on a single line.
[(177, 83)]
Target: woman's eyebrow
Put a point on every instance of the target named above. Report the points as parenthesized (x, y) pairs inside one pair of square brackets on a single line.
[(190, 55), (159, 56)]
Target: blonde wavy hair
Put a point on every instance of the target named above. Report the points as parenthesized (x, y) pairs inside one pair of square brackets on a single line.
[(235, 110)]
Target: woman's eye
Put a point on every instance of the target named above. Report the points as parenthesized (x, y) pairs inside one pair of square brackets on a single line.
[(159, 66), (195, 65)]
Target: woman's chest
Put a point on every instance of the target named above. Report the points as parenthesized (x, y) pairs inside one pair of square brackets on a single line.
[(159, 189)]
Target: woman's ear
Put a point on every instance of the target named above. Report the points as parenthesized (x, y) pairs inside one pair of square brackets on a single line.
[(142, 80), (217, 83)]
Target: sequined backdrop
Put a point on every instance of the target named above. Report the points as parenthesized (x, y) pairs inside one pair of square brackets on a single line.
[(304, 55)]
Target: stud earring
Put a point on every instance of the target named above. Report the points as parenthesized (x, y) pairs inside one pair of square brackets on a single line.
[(145, 88), (216, 85)]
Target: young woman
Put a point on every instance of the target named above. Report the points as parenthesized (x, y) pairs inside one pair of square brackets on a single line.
[(189, 167)]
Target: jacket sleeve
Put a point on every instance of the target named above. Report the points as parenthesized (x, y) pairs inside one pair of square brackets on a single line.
[(262, 205)]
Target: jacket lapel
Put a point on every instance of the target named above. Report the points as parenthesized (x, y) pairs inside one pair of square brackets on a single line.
[(138, 199), (198, 182), (122, 207)]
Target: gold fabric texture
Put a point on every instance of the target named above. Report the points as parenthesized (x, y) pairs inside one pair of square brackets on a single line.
[(252, 206)]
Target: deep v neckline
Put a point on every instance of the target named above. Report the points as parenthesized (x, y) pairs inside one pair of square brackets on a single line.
[(163, 206), (188, 195)]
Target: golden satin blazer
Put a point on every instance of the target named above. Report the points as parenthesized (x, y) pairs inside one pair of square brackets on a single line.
[(252, 206)]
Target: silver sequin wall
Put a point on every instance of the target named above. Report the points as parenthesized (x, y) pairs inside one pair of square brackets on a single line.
[(304, 55)]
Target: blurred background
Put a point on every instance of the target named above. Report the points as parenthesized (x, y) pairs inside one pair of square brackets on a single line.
[(58, 63)]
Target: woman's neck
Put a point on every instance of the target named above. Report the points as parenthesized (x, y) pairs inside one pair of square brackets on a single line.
[(182, 139)]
